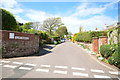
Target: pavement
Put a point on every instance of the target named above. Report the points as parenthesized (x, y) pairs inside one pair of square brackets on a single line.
[(66, 60)]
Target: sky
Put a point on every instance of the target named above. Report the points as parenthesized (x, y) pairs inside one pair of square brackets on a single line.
[(89, 15)]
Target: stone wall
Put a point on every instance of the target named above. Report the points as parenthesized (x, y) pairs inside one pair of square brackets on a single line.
[(112, 37), (16, 44)]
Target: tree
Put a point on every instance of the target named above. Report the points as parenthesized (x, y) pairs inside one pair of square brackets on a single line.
[(50, 24), (80, 29), (28, 25), (61, 31), (36, 25), (8, 21)]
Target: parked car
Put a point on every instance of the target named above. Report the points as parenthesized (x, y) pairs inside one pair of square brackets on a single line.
[(62, 40)]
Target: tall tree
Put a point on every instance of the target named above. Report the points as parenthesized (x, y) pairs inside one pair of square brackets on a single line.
[(80, 29), (61, 31), (37, 25), (8, 20), (50, 24)]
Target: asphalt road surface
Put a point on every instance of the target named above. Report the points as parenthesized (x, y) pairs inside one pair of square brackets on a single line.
[(66, 60)]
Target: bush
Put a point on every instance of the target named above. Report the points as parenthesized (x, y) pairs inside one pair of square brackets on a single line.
[(98, 33), (55, 42), (110, 60), (8, 21), (106, 51), (115, 59), (84, 37), (73, 38)]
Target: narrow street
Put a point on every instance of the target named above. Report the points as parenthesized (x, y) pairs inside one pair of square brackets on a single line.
[(66, 60)]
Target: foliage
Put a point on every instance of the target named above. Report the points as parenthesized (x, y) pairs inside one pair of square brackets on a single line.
[(115, 59), (50, 24), (61, 31), (80, 29), (74, 36), (83, 37), (28, 25), (56, 38), (55, 42), (98, 33), (8, 21), (107, 50), (110, 60)]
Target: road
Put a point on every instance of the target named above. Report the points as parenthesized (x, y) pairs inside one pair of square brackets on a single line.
[(66, 60)]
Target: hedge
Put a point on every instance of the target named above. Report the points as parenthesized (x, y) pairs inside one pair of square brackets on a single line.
[(98, 33), (115, 59), (107, 50), (84, 37), (87, 36)]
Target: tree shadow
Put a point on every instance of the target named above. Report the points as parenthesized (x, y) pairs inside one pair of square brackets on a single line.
[(43, 50)]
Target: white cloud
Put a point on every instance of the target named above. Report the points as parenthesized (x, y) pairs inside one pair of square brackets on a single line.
[(72, 22), (12, 6), (38, 15), (8, 3), (19, 19), (85, 10)]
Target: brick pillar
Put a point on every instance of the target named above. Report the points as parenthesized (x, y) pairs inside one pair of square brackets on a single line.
[(95, 45), (103, 40)]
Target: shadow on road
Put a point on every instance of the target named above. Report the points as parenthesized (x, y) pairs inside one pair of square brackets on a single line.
[(45, 49)]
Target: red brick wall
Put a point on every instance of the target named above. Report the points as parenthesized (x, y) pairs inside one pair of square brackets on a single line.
[(95, 45), (18, 47), (103, 40)]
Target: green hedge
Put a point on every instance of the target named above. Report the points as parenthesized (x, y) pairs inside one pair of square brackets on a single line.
[(115, 59), (84, 37), (112, 53), (98, 33), (107, 50), (87, 36)]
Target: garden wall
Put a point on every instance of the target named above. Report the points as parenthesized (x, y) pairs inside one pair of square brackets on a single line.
[(16, 44)]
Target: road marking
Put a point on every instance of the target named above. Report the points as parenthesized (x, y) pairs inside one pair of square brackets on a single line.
[(65, 67), (30, 64), (5, 61), (45, 65), (25, 68), (9, 66), (60, 72), (95, 70), (43, 70), (116, 73), (17, 63), (101, 76), (75, 68), (80, 74)]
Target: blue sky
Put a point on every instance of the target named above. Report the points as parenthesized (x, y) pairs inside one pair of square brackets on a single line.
[(73, 14)]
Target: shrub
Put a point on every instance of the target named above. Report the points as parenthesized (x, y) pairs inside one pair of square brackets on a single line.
[(8, 21), (74, 36), (110, 60), (106, 51), (55, 42), (115, 59), (98, 33), (84, 37)]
